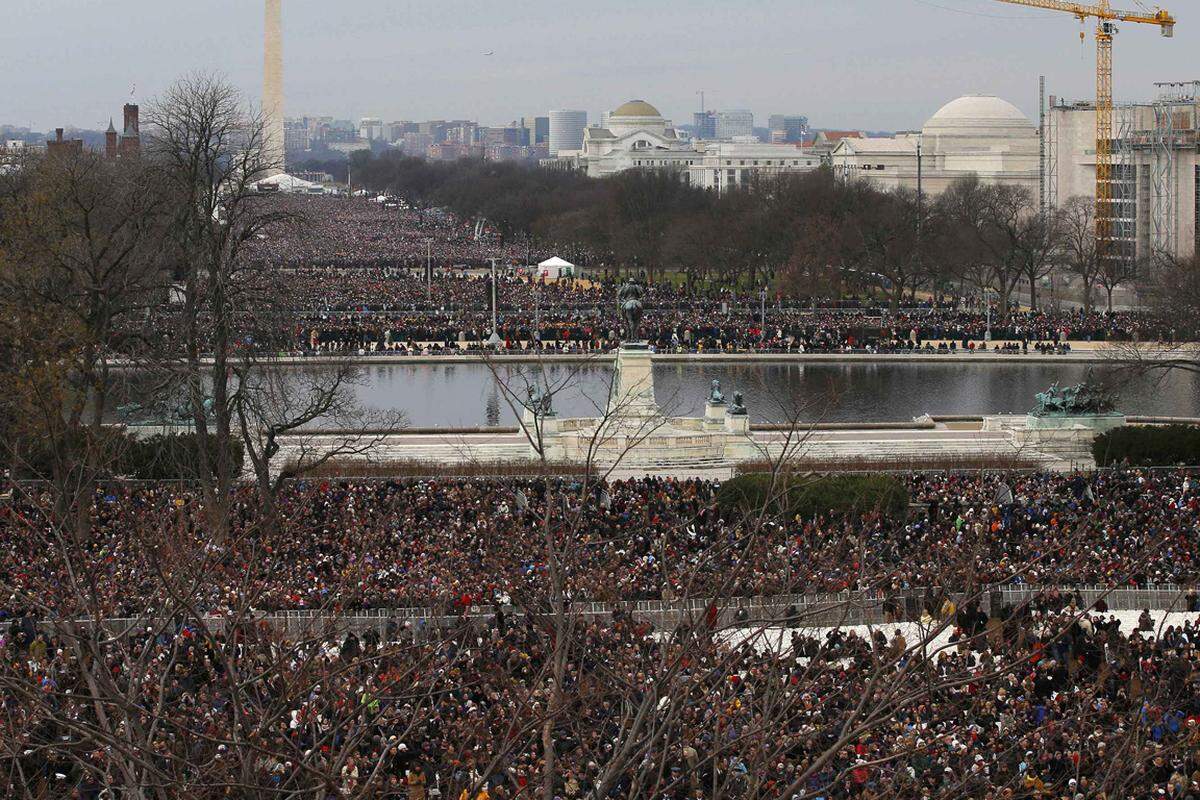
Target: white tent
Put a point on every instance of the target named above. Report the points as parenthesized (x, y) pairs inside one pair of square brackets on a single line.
[(288, 184), (555, 268)]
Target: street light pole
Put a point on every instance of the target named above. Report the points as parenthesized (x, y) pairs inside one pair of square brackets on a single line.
[(494, 339), (762, 316), (987, 299), (920, 215), (429, 269)]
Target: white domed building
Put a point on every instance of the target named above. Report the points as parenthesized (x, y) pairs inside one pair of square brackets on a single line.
[(974, 135), (638, 115), (631, 133), (637, 136)]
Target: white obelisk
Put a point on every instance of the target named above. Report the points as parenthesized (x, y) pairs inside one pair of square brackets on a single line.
[(272, 100)]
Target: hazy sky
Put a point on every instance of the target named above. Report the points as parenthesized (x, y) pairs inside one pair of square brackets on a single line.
[(881, 64)]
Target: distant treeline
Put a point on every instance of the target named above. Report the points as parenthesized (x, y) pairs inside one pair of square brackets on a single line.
[(808, 235), (641, 220)]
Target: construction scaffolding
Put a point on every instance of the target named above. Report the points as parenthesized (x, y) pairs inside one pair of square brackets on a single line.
[(1153, 149), (1049, 152), (1174, 129), (1123, 184)]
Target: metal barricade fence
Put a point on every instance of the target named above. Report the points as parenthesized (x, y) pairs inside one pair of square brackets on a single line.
[(815, 610)]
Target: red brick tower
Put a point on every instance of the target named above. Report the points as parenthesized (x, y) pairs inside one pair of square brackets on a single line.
[(131, 139), (110, 141)]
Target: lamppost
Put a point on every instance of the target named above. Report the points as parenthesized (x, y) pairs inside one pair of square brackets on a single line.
[(429, 270), (987, 301), (494, 339), (537, 312), (920, 211), (762, 316)]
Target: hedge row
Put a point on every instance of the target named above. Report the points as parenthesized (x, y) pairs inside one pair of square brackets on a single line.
[(1148, 446), (158, 457), (170, 457), (808, 495)]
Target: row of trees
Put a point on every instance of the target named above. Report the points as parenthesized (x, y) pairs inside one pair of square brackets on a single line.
[(974, 236), (811, 234)]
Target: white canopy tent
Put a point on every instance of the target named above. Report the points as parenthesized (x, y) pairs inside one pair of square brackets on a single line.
[(288, 184), (554, 268)]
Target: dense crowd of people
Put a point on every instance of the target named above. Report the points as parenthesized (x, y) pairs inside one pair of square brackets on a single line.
[(401, 312), (1029, 704), (454, 544), (364, 232), (148, 650), (353, 272), (1049, 699)]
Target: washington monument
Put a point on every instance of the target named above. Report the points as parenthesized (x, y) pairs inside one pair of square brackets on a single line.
[(272, 98)]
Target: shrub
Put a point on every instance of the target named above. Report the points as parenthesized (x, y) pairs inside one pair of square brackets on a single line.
[(169, 457), (808, 495), (34, 458), (1148, 446), (120, 455)]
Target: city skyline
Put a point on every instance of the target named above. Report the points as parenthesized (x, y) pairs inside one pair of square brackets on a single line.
[(395, 64)]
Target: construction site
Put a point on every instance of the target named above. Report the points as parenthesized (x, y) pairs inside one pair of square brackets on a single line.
[(1155, 175)]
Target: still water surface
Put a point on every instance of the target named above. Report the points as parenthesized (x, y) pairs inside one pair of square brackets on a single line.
[(469, 394)]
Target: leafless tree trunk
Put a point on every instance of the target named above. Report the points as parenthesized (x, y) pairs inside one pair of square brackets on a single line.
[(210, 151)]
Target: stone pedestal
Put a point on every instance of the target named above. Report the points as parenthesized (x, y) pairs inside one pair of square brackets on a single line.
[(1096, 424), (633, 383), (547, 424), (714, 417), (1067, 437), (738, 424)]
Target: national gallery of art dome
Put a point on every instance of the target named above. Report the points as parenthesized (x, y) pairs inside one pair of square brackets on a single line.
[(973, 135)]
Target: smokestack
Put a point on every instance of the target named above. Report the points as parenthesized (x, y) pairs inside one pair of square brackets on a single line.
[(58, 134), (272, 101)]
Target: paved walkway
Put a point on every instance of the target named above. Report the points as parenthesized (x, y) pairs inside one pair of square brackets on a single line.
[(889, 448)]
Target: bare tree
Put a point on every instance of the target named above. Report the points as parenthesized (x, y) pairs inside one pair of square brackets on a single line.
[(1116, 271), (294, 420), (210, 150), (1003, 238), (882, 238), (1173, 292), (1078, 225)]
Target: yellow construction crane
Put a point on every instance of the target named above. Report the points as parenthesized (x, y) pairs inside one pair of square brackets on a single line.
[(1106, 18)]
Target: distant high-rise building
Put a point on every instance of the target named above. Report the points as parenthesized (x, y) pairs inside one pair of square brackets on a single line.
[(370, 128), (566, 130), (734, 123), (514, 135), (538, 127), (705, 123), (415, 143), (397, 130), (461, 131), (295, 135), (788, 128)]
